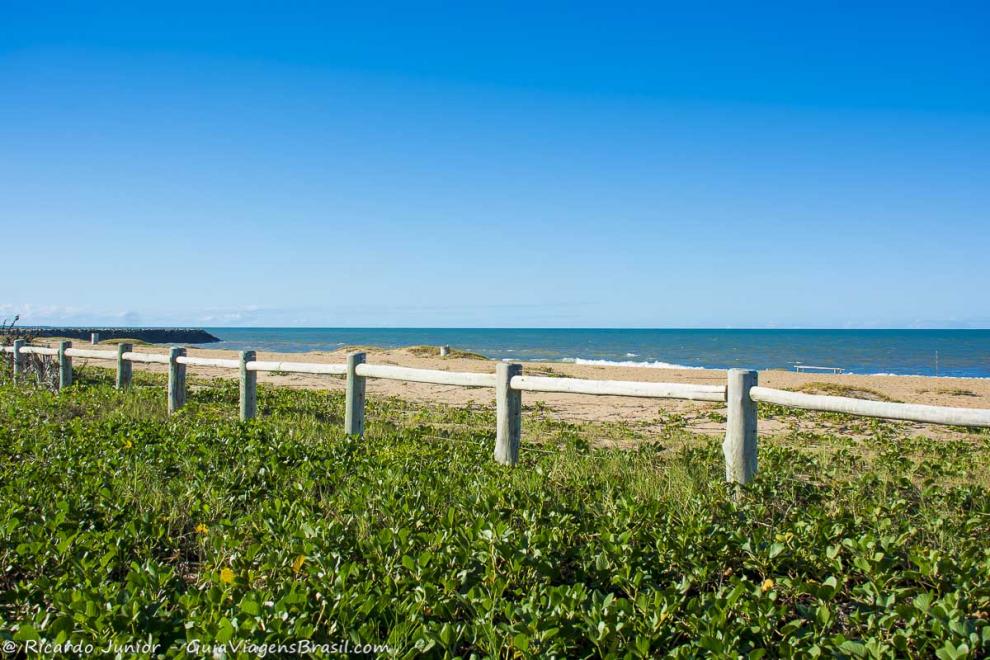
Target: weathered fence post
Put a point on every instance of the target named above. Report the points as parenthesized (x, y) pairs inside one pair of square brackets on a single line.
[(740, 427), (94, 338), (64, 365), (508, 414), (249, 387), (124, 367), (18, 358), (354, 406), (444, 350), (176, 379)]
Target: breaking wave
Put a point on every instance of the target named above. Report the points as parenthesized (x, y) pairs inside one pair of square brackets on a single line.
[(630, 363)]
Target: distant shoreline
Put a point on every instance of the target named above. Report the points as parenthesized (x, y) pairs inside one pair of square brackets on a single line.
[(923, 353), (149, 335)]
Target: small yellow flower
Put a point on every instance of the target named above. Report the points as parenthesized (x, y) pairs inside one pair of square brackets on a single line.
[(201, 528), (128, 444), (767, 585), (226, 576), (298, 563)]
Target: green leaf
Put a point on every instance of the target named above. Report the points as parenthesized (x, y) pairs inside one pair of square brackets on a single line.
[(225, 631), (949, 651), (250, 606), (853, 648), (447, 635)]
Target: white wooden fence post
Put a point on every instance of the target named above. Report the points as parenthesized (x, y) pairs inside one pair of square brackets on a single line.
[(444, 350), (94, 338), (249, 387), (176, 379), (354, 405), (740, 427), (124, 367), (64, 365), (18, 359), (508, 414)]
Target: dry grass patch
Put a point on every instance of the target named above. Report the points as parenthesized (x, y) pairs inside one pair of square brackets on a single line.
[(836, 389)]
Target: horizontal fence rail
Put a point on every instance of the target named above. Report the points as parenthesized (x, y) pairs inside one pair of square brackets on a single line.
[(740, 394), (91, 353), (619, 388), (37, 350), (209, 362), (298, 367), (434, 376), (908, 412), (131, 356)]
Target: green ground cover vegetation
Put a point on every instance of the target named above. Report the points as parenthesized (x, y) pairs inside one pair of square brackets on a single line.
[(119, 523)]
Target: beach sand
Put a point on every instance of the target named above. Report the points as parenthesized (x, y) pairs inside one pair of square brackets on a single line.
[(959, 392)]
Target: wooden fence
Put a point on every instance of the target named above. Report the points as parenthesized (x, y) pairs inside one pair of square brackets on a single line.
[(740, 394)]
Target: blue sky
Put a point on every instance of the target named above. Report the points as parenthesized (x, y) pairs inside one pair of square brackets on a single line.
[(496, 164)]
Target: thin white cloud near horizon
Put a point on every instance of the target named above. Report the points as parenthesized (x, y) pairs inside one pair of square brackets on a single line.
[(453, 315)]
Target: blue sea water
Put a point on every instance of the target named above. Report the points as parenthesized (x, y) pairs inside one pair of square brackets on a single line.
[(961, 353)]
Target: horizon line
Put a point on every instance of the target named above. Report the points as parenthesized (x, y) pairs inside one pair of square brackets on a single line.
[(574, 328)]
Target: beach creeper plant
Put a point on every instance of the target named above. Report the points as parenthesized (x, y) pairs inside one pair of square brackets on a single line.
[(119, 523)]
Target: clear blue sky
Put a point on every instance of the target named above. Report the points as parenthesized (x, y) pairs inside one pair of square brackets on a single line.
[(440, 164)]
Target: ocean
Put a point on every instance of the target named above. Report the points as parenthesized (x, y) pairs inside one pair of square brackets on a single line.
[(957, 353)]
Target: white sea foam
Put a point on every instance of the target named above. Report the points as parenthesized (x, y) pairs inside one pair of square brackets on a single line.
[(883, 373), (632, 354), (631, 363)]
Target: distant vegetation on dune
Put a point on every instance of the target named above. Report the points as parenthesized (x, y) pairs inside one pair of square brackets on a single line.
[(118, 522), (125, 340), (434, 351)]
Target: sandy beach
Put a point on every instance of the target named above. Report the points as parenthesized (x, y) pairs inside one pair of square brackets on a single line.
[(959, 392)]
